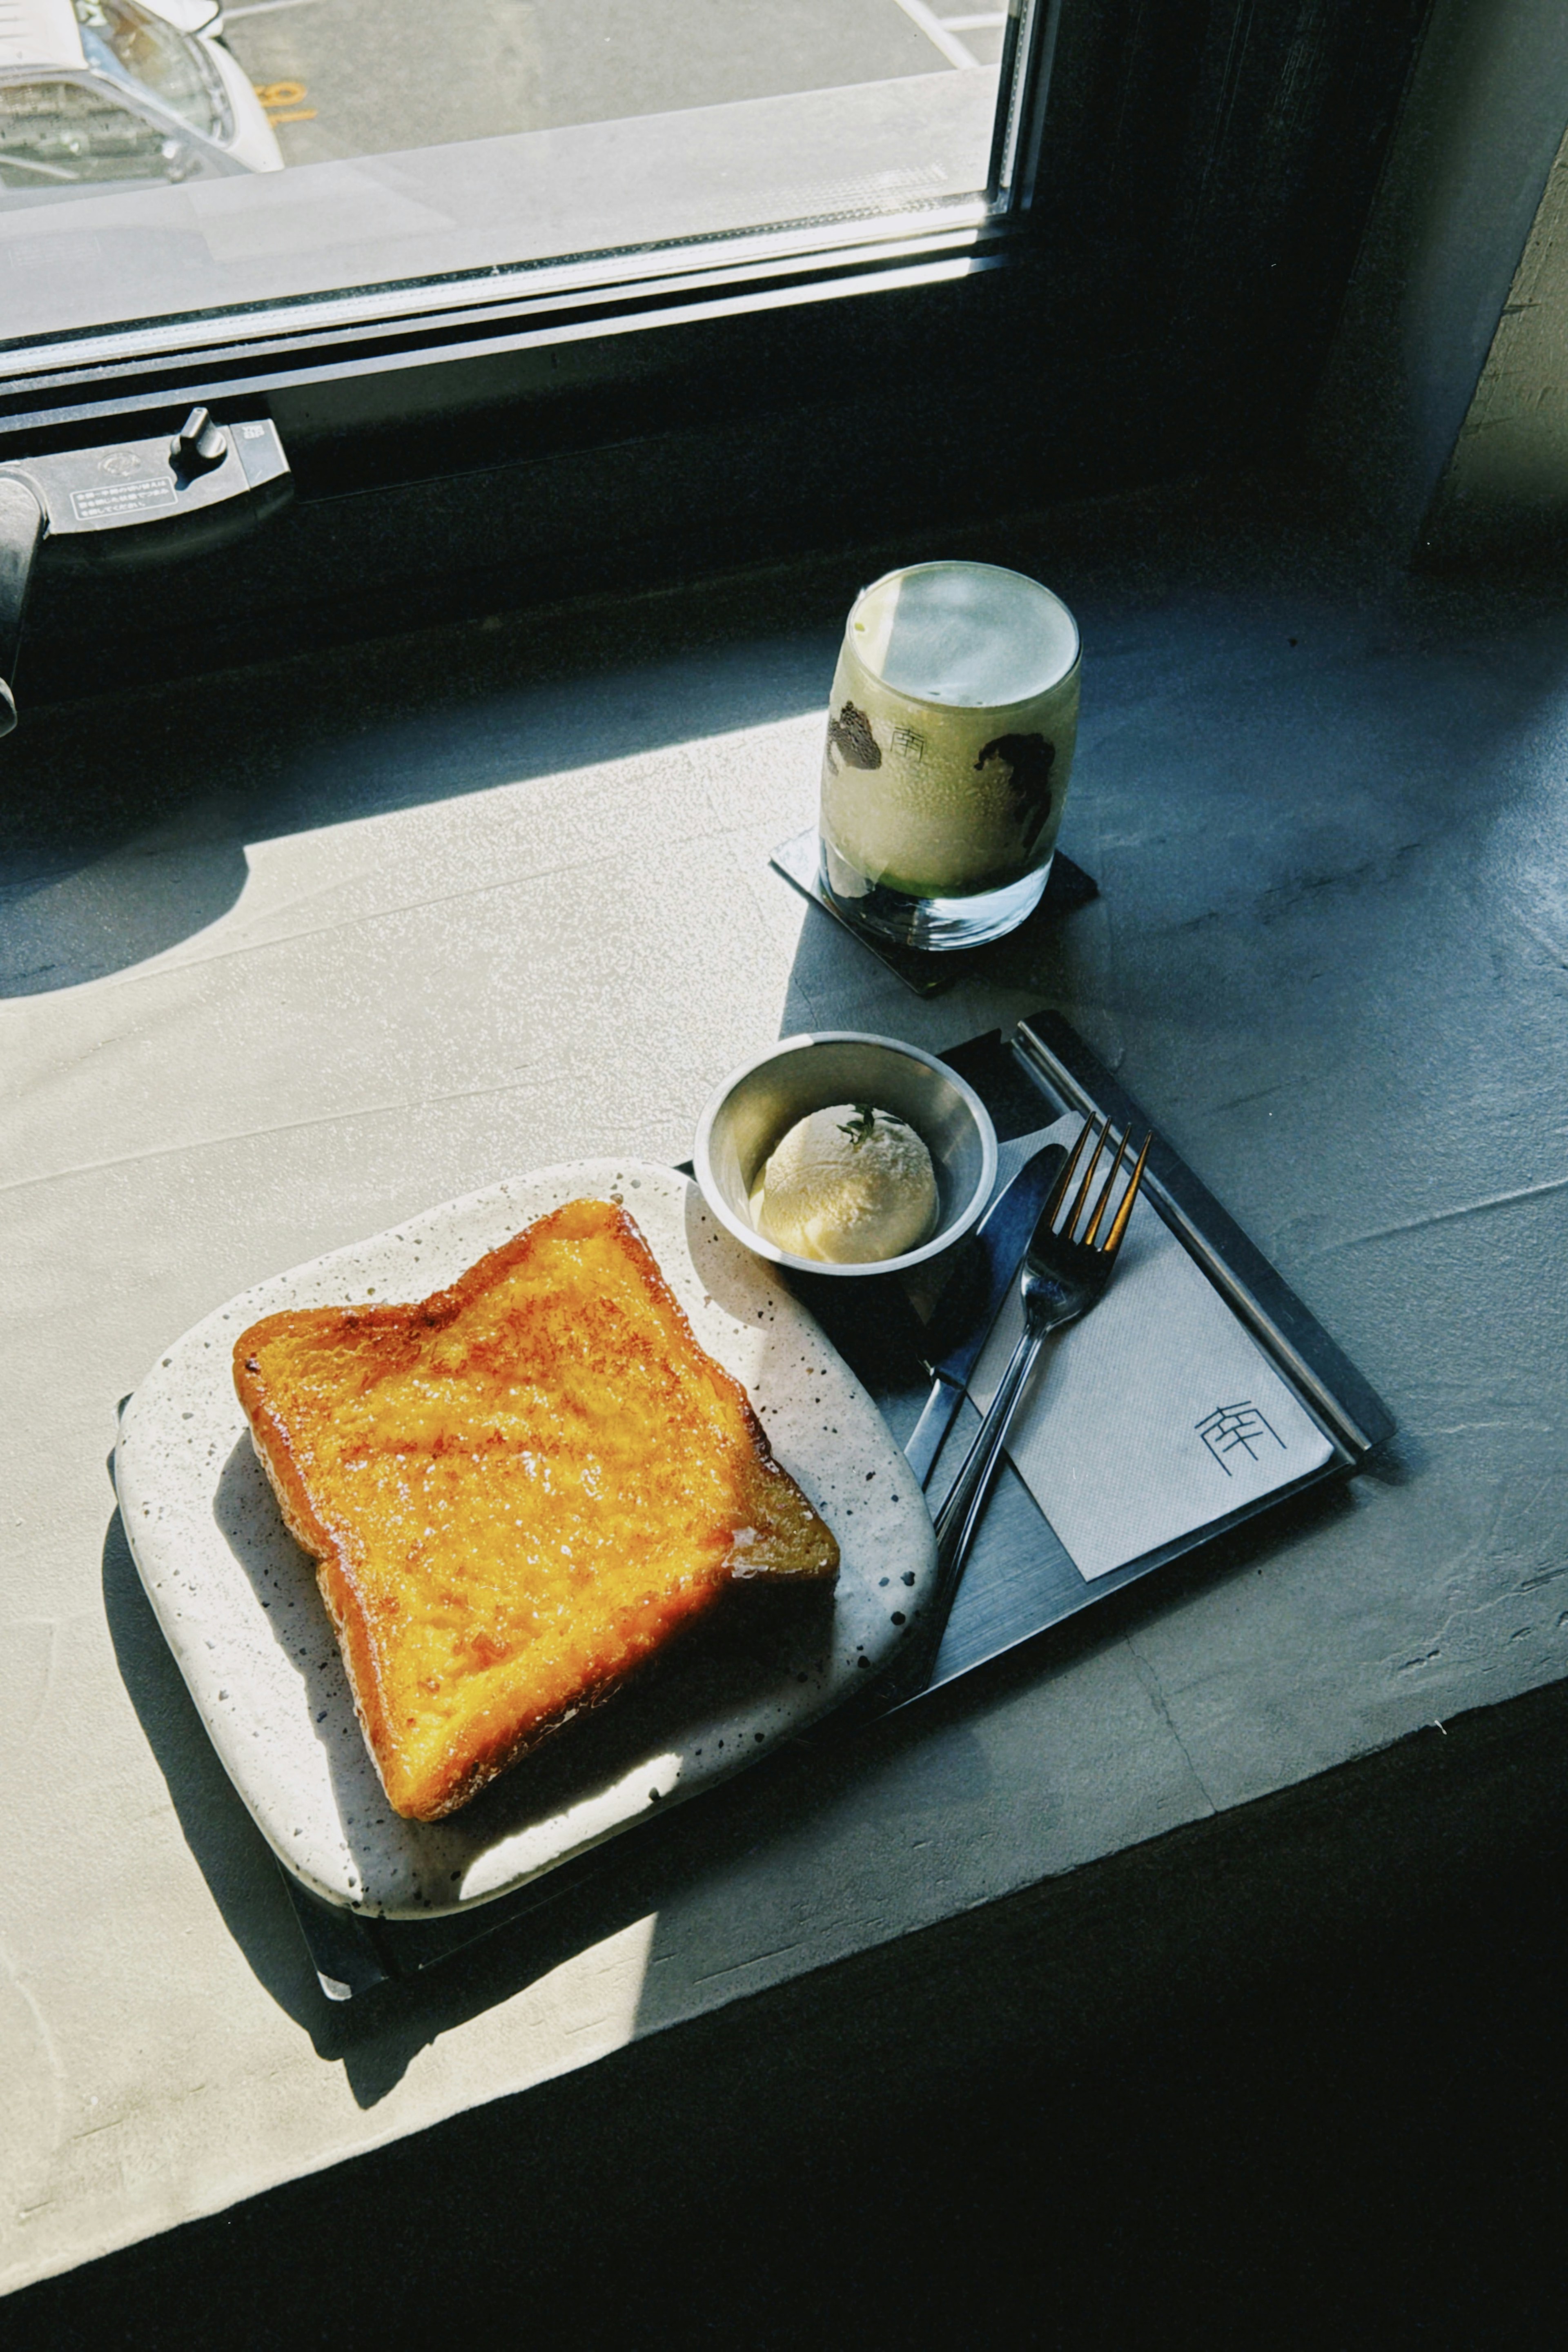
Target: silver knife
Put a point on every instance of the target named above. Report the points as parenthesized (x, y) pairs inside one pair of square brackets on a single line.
[(960, 1326)]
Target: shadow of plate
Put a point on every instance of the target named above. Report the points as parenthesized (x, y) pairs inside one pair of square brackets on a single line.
[(377, 2036), (714, 1691)]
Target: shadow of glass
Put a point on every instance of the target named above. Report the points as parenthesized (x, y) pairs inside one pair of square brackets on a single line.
[(836, 982)]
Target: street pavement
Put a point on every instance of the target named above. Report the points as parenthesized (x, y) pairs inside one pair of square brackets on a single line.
[(343, 77)]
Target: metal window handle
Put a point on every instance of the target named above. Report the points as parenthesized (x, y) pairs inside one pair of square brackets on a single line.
[(198, 445), (21, 529)]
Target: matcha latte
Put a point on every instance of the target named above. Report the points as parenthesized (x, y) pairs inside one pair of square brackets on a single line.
[(950, 741)]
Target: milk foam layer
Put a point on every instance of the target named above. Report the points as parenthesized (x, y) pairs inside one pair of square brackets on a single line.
[(971, 635)]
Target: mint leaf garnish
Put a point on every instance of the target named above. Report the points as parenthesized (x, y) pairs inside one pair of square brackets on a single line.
[(862, 1126)]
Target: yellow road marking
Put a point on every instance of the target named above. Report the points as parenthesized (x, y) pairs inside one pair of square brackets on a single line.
[(299, 114), (279, 93)]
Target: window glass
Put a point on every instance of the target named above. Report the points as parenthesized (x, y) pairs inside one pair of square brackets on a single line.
[(344, 147), (136, 46), (346, 78), (64, 134)]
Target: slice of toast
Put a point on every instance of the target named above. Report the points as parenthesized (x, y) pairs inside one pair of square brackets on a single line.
[(515, 1492)]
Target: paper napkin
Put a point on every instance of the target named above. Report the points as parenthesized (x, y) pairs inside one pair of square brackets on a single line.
[(1157, 1414)]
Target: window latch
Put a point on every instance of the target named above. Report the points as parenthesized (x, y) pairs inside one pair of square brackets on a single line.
[(198, 445), (135, 501)]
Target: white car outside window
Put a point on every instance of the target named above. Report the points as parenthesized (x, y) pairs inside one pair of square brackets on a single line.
[(101, 92)]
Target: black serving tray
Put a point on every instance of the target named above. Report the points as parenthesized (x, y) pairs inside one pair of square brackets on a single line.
[(1020, 1579)]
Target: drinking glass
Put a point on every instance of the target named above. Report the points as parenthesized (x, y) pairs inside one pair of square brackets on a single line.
[(949, 741)]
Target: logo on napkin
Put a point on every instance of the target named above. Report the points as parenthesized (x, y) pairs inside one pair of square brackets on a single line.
[(1230, 1426)]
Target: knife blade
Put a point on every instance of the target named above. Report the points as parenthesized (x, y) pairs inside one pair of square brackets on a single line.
[(962, 1325)]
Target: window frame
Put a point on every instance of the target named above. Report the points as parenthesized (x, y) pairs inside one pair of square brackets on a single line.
[(1131, 306)]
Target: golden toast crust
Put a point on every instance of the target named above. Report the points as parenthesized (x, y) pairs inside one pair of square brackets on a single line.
[(515, 1491)]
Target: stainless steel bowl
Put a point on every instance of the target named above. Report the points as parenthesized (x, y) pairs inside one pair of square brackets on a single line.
[(759, 1103)]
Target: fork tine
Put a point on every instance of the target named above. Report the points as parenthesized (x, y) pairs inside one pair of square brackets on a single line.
[(1058, 1191), (1112, 1242), (1088, 1180), (1105, 1192)]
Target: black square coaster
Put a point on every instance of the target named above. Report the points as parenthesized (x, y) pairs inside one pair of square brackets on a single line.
[(928, 972)]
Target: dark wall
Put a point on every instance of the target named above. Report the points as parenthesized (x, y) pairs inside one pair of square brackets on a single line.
[(1482, 122)]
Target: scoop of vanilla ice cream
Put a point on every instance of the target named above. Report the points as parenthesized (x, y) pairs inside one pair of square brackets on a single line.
[(849, 1184)]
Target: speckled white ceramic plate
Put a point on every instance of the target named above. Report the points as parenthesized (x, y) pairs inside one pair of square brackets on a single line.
[(238, 1603)]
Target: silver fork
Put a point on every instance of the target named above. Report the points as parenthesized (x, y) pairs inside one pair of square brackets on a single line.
[(1062, 1279)]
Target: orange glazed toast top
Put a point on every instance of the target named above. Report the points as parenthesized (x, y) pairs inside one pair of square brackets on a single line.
[(515, 1491)]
